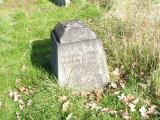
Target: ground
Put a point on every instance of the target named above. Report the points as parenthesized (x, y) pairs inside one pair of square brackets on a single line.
[(28, 89)]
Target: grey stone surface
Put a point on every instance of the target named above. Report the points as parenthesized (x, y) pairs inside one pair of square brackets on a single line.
[(78, 58), (62, 2)]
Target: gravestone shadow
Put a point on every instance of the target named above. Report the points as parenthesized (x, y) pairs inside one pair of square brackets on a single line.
[(41, 53)]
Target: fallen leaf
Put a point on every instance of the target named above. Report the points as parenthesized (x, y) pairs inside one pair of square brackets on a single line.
[(21, 106), (112, 111), (11, 94), (152, 109), (108, 110), (20, 101), (16, 96), (90, 96), (24, 90), (30, 116), (132, 107), (128, 98), (143, 112), (65, 106), (126, 116), (144, 86), (98, 96), (23, 68), (62, 98), (116, 72), (147, 101), (92, 106), (135, 101), (105, 109), (18, 116), (116, 92), (113, 85), (122, 96), (29, 103), (69, 117), (122, 84), (18, 81)]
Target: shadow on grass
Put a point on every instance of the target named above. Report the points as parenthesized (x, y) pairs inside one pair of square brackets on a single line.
[(40, 55)]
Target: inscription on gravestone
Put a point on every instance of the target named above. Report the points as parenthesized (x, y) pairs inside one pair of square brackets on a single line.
[(78, 58)]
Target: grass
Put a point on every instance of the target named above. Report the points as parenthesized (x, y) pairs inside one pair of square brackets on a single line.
[(130, 40)]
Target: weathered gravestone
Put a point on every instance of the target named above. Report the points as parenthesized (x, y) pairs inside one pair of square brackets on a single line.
[(78, 58), (62, 2)]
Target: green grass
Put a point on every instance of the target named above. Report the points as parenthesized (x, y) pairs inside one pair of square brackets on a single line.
[(25, 40)]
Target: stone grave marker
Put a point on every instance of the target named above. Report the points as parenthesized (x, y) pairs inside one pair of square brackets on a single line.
[(62, 2), (78, 58)]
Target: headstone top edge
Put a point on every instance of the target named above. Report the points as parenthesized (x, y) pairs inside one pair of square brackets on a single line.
[(70, 24), (68, 28)]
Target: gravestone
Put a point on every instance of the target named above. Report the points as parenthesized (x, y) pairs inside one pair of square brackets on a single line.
[(62, 2), (78, 58)]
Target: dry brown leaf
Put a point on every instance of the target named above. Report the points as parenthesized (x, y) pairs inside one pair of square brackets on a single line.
[(24, 90), (62, 98), (90, 96), (112, 111), (126, 116), (105, 109), (152, 109), (65, 106), (135, 101), (18, 80), (23, 68), (109, 110), (30, 116), (147, 101), (69, 117), (29, 102), (11, 94), (122, 96), (116, 92), (20, 101), (92, 106), (143, 112), (98, 96), (122, 84), (113, 85), (16, 97), (116, 72), (129, 98), (144, 86), (132, 107), (21, 106), (18, 116)]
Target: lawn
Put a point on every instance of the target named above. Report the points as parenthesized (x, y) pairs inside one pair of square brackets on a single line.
[(130, 31)]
